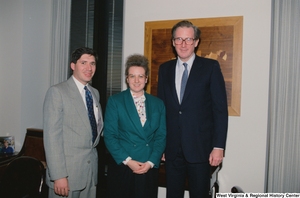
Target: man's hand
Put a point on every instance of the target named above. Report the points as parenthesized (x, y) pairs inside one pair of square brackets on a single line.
[(216, 157), (61, 187)]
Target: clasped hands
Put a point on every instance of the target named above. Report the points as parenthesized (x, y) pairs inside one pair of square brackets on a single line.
[(138, 167)]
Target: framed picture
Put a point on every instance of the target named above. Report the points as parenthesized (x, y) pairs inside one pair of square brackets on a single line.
[(7, 144), (221, 39)]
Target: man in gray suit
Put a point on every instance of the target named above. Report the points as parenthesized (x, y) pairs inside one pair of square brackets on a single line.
[(70, 144)]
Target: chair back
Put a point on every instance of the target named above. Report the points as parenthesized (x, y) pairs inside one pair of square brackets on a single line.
[(23, 178)]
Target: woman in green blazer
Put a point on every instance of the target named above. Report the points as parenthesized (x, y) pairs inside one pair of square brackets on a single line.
[(135, 135)]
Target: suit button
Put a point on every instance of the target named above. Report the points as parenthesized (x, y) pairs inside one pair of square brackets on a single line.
[(147, 144), (180, 112), (89, 162)]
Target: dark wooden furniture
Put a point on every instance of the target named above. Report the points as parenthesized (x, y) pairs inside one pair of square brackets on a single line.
[(33, 147), (4, 157), (23, 177)]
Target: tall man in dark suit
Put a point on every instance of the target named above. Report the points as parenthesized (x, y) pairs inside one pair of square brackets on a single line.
[(70, 144), (197, 122)]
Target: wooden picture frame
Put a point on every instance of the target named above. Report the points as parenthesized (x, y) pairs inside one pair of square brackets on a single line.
[(221, 39)]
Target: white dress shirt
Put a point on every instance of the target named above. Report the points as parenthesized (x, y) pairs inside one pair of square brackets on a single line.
[(81, 90), (179, 71)]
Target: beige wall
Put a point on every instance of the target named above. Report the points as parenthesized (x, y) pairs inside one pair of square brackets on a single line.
[(24, 65), (244, 164)]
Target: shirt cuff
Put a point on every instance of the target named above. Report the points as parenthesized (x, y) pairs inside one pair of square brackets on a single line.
[(127, 160), (218, 148), (151, 164)]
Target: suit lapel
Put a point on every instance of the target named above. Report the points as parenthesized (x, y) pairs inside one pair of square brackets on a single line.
[(172, 80), (96, 100), (131, 111), (78, 103), (193, 77), (148, 111)]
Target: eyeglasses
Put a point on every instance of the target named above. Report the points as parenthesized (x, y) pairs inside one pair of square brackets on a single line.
[(132, 77), (179, 41)]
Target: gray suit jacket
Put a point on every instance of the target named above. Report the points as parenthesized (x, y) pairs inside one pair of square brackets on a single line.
[(68, 136)]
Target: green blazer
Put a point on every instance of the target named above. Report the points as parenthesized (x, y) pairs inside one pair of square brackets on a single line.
[(124, 134)]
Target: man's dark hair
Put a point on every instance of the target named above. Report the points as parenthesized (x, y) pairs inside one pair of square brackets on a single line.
[(76, 54)]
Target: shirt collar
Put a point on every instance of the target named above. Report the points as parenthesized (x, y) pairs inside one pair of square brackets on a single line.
[(135, 97), (189, 62), (79, 85)]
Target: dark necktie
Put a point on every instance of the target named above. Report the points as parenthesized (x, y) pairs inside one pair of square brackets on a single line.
[(183, 81), (89, 104)]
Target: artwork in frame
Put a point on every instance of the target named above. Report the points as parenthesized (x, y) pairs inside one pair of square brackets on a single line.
[(7, 145), (221, 39)]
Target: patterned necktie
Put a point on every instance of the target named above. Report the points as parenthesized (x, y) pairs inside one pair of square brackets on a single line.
[(183, 81), (89, 104)]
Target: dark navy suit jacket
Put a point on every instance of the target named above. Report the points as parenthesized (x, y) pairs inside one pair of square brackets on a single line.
[(200, 122)]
